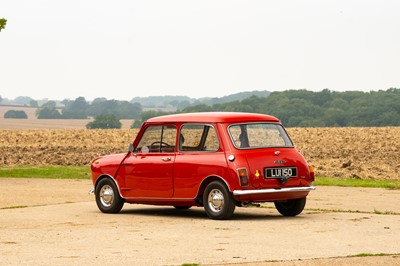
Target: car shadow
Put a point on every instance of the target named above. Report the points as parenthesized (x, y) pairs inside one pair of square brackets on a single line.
[(167, 212), (199, 213)]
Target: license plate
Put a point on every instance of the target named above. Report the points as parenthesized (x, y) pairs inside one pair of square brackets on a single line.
[(280, 172)]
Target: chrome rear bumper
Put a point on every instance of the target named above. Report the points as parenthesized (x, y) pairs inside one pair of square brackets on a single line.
[(272, 190)]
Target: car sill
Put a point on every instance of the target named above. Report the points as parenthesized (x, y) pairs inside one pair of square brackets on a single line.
[(272, 190)]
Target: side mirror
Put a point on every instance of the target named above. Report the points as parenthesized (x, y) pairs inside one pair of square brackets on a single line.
[(130, 147)]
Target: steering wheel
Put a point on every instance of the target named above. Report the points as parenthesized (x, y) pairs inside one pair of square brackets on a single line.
[(160, 144)]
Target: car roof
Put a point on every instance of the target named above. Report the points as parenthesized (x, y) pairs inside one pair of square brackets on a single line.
[(214, 117)]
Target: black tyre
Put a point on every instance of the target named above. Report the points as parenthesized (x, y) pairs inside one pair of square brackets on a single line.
[(290, 207), (107, 196), (218, 201)]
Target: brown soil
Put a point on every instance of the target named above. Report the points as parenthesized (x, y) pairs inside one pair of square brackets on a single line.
[(351, 152), (335, 152)]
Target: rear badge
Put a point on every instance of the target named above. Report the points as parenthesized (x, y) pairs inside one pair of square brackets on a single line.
[(280, 162)]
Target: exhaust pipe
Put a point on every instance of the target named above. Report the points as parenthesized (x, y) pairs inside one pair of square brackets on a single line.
[(249, 204)]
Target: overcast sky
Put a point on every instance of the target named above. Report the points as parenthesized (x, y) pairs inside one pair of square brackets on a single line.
[(125, 48)]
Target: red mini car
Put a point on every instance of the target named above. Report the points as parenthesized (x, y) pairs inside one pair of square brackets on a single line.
[(216, 160)]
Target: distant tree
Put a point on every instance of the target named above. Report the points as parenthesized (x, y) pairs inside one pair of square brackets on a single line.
[(34, 103), (334, 117), (104, 121), (48, 111), (147, 115), (137, 123), (65, 102), (3, 23), (1, 99), (182, 105), (339, 103), (198, 108), (121, 109), (23, 100), (15, 114), (75, 109), (99, 100)]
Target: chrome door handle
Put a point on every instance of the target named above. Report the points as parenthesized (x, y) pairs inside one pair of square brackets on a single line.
[(166, 159)]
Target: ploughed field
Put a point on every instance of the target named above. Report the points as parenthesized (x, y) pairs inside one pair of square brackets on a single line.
[(334, 152)]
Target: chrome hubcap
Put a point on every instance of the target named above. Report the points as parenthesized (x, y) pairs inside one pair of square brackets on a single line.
[(216, 200), (106, 195)]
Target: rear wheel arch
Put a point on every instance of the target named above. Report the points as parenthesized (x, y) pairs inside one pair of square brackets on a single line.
[(218, 201), (207, 181)]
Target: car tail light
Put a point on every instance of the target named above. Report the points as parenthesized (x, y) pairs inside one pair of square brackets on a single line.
[(311, 173), (243, 177)]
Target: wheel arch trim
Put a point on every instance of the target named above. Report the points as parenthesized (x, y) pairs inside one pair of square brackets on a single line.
[(112, 179), (211, 178)]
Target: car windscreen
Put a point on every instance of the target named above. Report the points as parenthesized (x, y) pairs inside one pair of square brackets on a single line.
[(259, 135)]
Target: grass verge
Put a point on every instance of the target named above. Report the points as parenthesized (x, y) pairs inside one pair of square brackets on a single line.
[(373, 255), (83, 172), (54, 172), (353, 182), (14, 207)]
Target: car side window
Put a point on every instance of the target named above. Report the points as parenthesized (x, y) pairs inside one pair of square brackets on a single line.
[(157, 139), (198, 137)]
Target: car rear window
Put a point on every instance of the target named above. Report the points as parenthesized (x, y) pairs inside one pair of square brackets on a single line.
[(259, 135)]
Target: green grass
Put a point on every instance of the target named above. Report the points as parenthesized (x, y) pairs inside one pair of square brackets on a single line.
[(373, 255), (14, 207), (319, 210), (55, 172), (83, 172), (353, 182)]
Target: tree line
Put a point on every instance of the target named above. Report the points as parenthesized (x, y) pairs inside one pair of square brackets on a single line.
[(303, 108), (81, 109), (295, 108)]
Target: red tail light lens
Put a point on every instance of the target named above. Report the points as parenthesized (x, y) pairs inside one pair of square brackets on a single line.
[(311, 173), (243, 177)]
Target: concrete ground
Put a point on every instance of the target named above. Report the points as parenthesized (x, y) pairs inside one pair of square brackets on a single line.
[(55, 222)]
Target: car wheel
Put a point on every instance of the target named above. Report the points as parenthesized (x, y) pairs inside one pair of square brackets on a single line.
[(218, 201), (107, 196), (291, 207)]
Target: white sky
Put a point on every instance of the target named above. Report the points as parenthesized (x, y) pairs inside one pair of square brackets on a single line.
[(125, 48)]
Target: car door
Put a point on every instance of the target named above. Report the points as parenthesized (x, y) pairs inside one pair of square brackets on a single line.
[(199, 156), (148, 170)]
